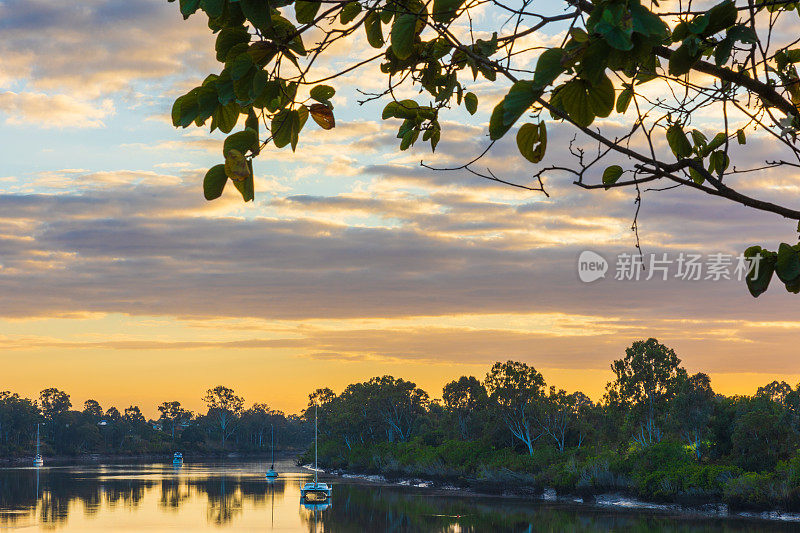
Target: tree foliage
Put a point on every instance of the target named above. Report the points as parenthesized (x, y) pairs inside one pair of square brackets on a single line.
[(662, 72)]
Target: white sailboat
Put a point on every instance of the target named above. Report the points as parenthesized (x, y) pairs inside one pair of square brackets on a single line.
[(271, 473), (315, 492), (38, 461), (177, 459)]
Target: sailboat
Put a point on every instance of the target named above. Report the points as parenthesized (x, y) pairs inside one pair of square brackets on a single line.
[(271, 473), (315, 492), (38, 461)]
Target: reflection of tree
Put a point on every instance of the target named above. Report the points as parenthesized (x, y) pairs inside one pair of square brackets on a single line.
[(173, 493), (224, 500), (355, 508)]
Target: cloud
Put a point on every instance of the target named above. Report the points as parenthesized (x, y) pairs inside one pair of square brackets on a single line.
[(56, 111)]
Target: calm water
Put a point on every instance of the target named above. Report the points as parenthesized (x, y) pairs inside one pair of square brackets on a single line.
[(237, 497)]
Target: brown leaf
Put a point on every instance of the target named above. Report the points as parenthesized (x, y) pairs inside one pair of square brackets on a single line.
[(236, 166), (322, 115)]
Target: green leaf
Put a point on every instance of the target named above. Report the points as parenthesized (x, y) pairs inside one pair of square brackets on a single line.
[(696, 176), (446, 10), (699, 139), (615, 36), (305, 11), (624, 100), (575, 99), (406, 109), (611, 175), (719, 162), (548, 67), (595, 61), (402, 35), (718, 140), (740, 137), (579, 35), (241, 66), (678, 142), (601, 97), (188, 7), (228, 38), (532, 141), (257, 12), (186, 109), (282, 128), (372, 25), (698, 24), (225, 90), (207, 102), (684, 57), (226, 117), (723, 50), (787, 265), (349, 12), (322, 93), (471, 103), (519, 98), (720, 17), (765, 268), (646, 22), (213, 8), (214, 182), (242, 141)]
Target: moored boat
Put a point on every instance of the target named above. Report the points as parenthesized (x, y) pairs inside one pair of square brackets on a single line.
[(38, 461)]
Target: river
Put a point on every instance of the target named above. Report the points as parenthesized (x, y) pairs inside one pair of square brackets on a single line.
[(235, 496)]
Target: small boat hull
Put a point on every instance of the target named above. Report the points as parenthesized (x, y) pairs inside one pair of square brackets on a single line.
[(271, 474), (38, 461), (315, 493)]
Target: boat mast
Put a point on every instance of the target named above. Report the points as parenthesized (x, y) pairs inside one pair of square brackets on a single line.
[(272, 434), (37, 439), (315, 444)]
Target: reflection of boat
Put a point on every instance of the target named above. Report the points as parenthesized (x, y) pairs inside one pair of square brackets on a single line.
[(177, 459), (314, 491), (317, 506), (38, 461), (271, 473)]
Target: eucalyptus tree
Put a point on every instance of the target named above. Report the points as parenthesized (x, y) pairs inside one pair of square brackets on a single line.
[(224, 408), (559, 414), (515, 389), (692, 409), (646, 379), (173, 414), (660, 96), (465, 398), (92, 409)]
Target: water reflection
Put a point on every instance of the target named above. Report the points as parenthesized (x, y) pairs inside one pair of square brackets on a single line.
[(239, 497)]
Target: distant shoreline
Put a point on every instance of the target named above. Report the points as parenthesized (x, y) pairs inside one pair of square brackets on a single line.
[(67, 460)]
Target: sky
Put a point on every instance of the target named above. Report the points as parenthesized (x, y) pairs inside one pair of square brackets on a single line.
[(119, 282)]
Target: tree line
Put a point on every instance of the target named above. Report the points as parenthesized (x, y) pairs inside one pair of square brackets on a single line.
[(658, 431), (224, 427)]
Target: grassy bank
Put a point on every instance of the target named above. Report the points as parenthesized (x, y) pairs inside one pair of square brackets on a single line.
[(666, 472)]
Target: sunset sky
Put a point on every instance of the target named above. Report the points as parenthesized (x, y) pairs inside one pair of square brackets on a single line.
[(119, 282)]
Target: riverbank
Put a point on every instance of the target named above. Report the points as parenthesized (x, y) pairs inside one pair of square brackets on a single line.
[(616, 501), (663, 474)]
